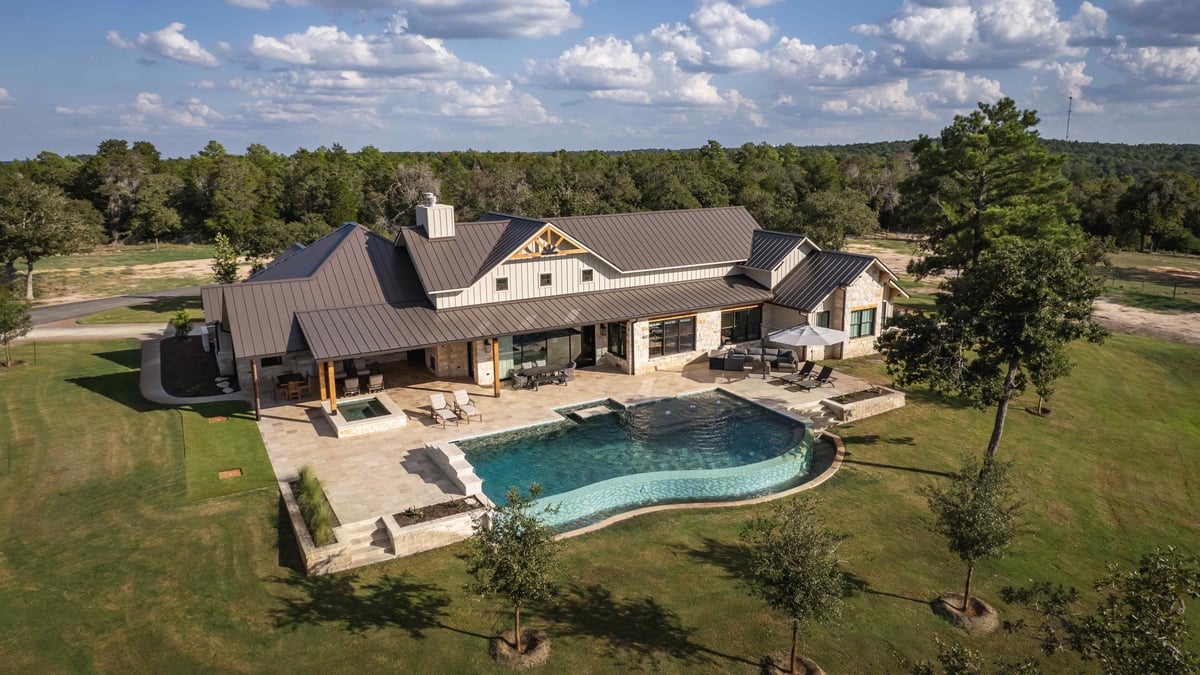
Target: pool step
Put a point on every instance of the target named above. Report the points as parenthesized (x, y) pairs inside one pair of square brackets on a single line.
[(594, 411)]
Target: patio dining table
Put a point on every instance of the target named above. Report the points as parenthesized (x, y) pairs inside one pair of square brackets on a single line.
[(539, 375), (290, 381)]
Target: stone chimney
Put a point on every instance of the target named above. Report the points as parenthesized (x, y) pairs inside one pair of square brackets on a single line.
[(437, 219)]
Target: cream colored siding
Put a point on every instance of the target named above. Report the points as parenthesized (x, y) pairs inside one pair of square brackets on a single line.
[(566, 278), (788, 264)]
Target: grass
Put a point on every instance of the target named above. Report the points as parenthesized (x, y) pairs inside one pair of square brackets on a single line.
[(158, 310), (923, 301), (105, 564), (218, 437), (106, 282), (112, 271), (125, 256)]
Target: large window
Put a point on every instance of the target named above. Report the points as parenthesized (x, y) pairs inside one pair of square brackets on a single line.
[(821, 319), (862, 322), (741, 325), (617, 333), (672, 336)]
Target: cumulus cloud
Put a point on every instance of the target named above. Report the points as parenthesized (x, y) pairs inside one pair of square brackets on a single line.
[(792, 59), (6, 99), (1056, 81), (1156, 65), (391, 51), (461, 18), (677, 38), (719, 36), (956, 89), (169, 43), (204, 84), (147, 112), (890, 98), (982, 33), (1161, 22)]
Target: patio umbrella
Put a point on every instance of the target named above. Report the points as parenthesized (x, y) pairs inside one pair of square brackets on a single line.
[(807, 336)]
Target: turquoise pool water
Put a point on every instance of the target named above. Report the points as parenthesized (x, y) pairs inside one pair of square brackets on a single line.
[(361, 410), (704, 447)]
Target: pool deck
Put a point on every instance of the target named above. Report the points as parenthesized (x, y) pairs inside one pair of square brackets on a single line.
[(374, 475)]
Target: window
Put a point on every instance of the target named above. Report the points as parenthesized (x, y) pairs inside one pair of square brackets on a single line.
[(587, 276), (617, 334), (862, 322), (269, 361), (672, 336), (501, 284), (544, 279), (821, 319), (741, 325)]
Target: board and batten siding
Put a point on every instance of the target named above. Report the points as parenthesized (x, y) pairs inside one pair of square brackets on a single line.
[(566, 278)]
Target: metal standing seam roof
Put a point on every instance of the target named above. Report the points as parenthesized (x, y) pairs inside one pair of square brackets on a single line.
[(631, 242), (362, 269), (364, 330), (768, 248), (807, 286)]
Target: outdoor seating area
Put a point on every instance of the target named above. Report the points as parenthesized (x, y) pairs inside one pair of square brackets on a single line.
[(805, 380), (292, 386), (532, 375)]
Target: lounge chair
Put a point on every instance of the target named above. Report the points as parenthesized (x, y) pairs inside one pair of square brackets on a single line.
[(464, 406), (350, 386), (824, 377), (803, 373), (374, 383), (440, 411)]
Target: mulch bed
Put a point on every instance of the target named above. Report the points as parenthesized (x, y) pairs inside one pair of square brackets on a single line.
[(980, 617), (188, 371), (777, 664), (437, 511), (856, 396), (535, 649)]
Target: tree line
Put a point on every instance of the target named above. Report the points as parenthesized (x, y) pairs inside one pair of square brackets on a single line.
[(264, 201)]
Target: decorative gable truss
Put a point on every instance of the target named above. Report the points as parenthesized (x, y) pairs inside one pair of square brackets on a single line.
[(549, 241)]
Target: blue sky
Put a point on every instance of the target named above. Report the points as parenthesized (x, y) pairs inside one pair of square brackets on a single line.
[(608, 74)]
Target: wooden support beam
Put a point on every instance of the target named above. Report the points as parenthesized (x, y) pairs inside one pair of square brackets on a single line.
[(321, 380), (332, 386), (254, 376), (496, 367)]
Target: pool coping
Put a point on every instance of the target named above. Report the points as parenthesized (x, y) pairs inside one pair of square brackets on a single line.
[(839, 455)]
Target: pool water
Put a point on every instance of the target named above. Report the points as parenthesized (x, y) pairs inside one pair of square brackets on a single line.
[(361, 410), (712, 430)]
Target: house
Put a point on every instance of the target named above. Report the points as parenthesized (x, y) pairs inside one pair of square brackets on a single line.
[(636, 291)]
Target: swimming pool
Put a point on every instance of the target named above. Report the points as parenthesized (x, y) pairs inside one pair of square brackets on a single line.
[(705, 447)]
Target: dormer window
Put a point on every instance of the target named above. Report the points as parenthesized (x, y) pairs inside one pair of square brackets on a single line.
[(544, 279), (587, 276), (501, 284)]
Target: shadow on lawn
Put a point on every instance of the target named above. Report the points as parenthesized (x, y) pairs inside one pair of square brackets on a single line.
[(639, 628), (390, 602), (120, 387), (848, 459)]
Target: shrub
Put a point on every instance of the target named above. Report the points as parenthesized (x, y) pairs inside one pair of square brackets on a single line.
[(182, 323), (314, 508)]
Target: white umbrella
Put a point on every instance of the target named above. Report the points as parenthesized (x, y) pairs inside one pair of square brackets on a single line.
[(807, 336)]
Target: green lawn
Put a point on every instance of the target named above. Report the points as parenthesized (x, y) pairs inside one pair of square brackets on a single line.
[(124, 256), (111, 271), (158, 310), (219, 437), (106, 565)]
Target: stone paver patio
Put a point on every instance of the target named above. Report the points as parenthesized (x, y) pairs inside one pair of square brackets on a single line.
[(387, 472)]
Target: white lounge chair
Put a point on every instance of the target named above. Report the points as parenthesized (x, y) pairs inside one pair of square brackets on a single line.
[(464, 406), (440, 411)]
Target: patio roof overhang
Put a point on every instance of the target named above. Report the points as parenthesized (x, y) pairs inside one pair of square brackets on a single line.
[(350, 332)]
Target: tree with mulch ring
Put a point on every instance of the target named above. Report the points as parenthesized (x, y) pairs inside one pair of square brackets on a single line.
[(189, 371), (514, 555), (793, 566), (977, 514)]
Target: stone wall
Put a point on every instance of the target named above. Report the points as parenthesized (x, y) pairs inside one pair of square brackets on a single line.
[(866, 291), (708, 336), (448, 360)]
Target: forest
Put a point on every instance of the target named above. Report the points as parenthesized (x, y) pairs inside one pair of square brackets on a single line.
[(1144, 197)]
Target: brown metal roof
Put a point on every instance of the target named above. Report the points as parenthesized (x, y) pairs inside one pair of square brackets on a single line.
[(807, 286), (768, 248), (629, 241), (358, 331), (363, 268)]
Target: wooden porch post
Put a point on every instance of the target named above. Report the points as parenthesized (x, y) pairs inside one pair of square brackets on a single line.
[(254, 376), (332, 386), (496, 367), (321, 380)]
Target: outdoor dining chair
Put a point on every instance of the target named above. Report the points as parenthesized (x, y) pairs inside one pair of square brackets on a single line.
[(375, 383), (350, 386)]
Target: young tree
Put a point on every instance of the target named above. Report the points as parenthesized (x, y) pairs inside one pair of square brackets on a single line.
[(986, 179), (1139, 627), (1006, 320), (793, 566), (15, 321), (976, 513), (514, 554), (224, 260)]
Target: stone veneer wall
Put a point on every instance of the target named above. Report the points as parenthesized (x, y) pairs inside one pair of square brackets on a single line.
[(448, 360), (865, 291), (708, 336)]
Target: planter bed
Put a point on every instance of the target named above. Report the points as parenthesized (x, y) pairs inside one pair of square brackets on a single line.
[(438, 525), (864, 403)]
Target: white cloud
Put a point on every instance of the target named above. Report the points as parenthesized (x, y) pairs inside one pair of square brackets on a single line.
[(597, 64), (792, 59), (169, 43), (147, 112), (390, 51), (677, 38), (732, 35), (983, 33), (6, 99), (1056, 81), (461, 18), (1160, 22), (956, 89), (1156, 65), (204, 84), (890, 98)]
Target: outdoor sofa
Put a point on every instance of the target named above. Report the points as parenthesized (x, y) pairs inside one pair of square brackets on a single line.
[(780, 359)]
